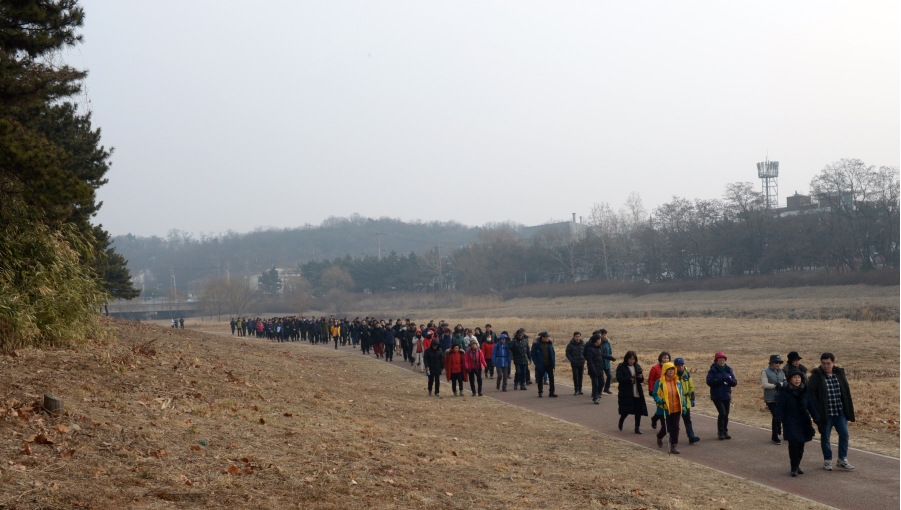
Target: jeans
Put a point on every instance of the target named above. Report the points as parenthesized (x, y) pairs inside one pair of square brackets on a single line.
[(502, 373), (841, 427), (578, 371), (607, 374), (722, 419), (777, 425), (670, 424), (475, 375), (689, 430), (522, 370), (539, 375)]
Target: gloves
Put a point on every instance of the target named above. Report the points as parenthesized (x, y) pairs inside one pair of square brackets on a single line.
[(778, 386), (692, 403)]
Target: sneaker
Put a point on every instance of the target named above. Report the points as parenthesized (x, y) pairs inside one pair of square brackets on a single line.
[(481, 395), (437, 394), (720, 436), (576, 393), (430, 393), (827, 465), (455, 393), (540, 395), (794, 472), (673, 449), (598, 402), (693, 440), (843, 463), (580, 392), (800, 471), (608, 392), (726, 435), (553, 395), (776, 440)]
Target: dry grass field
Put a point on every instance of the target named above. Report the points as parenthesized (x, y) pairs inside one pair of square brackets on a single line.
[(162, 418)]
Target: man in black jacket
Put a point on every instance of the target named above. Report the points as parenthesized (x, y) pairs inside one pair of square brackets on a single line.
[(576, 358), (831, 394)]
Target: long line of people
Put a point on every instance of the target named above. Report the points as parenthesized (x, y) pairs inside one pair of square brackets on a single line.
[(473, 355)]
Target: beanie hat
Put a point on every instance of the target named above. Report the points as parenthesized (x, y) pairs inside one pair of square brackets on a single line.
[(719, 355), (793, 372), (792, 356), (679, 361)]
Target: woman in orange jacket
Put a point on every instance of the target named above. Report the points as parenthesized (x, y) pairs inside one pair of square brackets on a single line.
[(455, 368)]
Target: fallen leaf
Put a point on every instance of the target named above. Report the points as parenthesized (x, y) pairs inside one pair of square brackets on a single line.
[(234, 470), (353, 482), (42, 439), (62, 429), (248, 471), (448, 493), (197, 395), (66, 454), (454, 453), (195, 448), (262, 421), (26, 448), (288, 415)]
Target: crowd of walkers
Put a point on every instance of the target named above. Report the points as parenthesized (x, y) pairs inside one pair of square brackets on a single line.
[(794, 395)]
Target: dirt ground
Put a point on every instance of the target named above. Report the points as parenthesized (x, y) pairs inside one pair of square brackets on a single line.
[(162, 418)]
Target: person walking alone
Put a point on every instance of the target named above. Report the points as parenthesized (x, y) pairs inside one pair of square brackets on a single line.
[(772, 379), (721, 379), (794, 408)]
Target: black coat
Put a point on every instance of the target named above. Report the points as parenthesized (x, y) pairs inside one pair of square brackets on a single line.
[(434, 359), (574, 352), (816, 386), (794, 408), (595, 356), (628, 402)]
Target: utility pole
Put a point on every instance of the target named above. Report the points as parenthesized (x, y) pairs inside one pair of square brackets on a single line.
[(380, 234)]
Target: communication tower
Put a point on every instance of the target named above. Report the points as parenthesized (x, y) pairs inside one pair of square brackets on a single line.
[(768, 172)]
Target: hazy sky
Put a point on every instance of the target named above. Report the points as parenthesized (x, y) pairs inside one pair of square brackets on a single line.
[(234, 115)]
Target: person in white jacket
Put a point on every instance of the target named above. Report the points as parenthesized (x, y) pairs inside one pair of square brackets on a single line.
[(417, 349), (469, 338)]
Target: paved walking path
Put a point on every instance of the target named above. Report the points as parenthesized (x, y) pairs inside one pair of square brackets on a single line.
[(872, 485)]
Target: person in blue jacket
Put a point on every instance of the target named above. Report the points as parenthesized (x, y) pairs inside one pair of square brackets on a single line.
[(545, 360), (721, 379), (500, 356)]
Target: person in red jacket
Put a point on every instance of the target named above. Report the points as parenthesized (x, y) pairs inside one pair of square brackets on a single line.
[(488, 351), (653, 376), (475, 363), (455, 368)]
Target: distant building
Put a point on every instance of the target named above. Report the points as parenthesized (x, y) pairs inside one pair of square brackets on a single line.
[(564, 230), (796, 204)]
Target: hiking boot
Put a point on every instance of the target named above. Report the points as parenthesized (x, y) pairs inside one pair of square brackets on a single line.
[(827, 465), (659, 442), (843, 463), (693, 439), (673, 449)]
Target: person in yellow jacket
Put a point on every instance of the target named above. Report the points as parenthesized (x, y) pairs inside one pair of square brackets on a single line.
[(670, 400), (688, 397), (335, 332)]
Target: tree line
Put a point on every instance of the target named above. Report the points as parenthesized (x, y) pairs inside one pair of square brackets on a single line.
[(56, 267)]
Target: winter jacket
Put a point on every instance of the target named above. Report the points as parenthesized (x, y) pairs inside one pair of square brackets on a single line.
[(488, 351), (653, 375), (468, 340), (520, 350), (795, 408), (486, 335), (596, 358), (608, 351), (461, 341), (454, 363), (389, 337), (433, 358), (660, 397), (538, 356), (445, 340), (575, 352), (501, 355), (769, 378), (721, 382), (474, 360), (378, 336), (817, 387), (628, 402), (688, 386)]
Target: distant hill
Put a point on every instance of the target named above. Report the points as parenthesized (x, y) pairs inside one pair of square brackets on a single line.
[(155, 260)]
